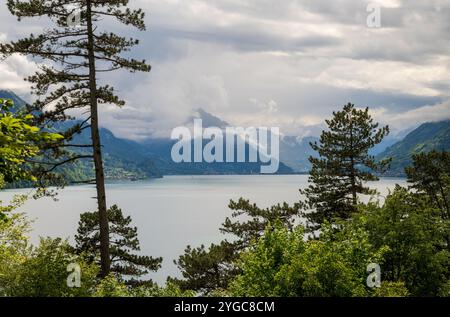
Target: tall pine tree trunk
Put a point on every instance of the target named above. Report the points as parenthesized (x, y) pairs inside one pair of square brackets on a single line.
[(353, 182), (97, 151), (352, 167)]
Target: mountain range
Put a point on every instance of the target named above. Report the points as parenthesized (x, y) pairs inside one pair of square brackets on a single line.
[(428, 136), (127, 159)]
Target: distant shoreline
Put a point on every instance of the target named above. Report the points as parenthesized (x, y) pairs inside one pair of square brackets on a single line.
[(126, 180)]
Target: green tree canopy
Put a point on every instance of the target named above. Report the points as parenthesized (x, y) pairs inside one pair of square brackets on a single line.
[(282, 263), (41, 271), (20, 141), (411, 229)]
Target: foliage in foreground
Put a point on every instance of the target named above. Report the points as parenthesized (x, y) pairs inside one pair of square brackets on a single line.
[(405, 236), (39, 271), (284, 264), (20, 141), (42, 271)]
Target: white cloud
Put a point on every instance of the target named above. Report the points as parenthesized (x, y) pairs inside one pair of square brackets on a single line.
[(13, 71), (393, 76), (283, 63), (414, 117)]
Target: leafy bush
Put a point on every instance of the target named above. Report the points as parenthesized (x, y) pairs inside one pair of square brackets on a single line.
[(282, 263), (43, 272)]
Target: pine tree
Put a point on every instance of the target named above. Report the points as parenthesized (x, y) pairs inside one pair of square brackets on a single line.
[(123, 241), (344, 165), (76, 55), (429, 175)]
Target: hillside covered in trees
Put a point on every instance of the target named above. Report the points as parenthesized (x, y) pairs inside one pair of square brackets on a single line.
[(427, 137)]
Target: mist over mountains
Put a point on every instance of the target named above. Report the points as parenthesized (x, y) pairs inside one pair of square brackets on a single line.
[(128, 159)]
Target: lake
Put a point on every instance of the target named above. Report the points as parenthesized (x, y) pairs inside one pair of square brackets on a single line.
[(170, 213)]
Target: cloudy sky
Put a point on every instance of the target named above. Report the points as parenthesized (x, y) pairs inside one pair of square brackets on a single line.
[(283, 63)]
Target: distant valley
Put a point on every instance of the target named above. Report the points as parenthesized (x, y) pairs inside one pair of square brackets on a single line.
[(151, 158)]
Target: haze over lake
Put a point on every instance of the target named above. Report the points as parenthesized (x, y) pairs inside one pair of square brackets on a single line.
[(171, 212)]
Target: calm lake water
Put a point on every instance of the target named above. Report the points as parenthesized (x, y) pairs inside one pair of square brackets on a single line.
[(170, 213)]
